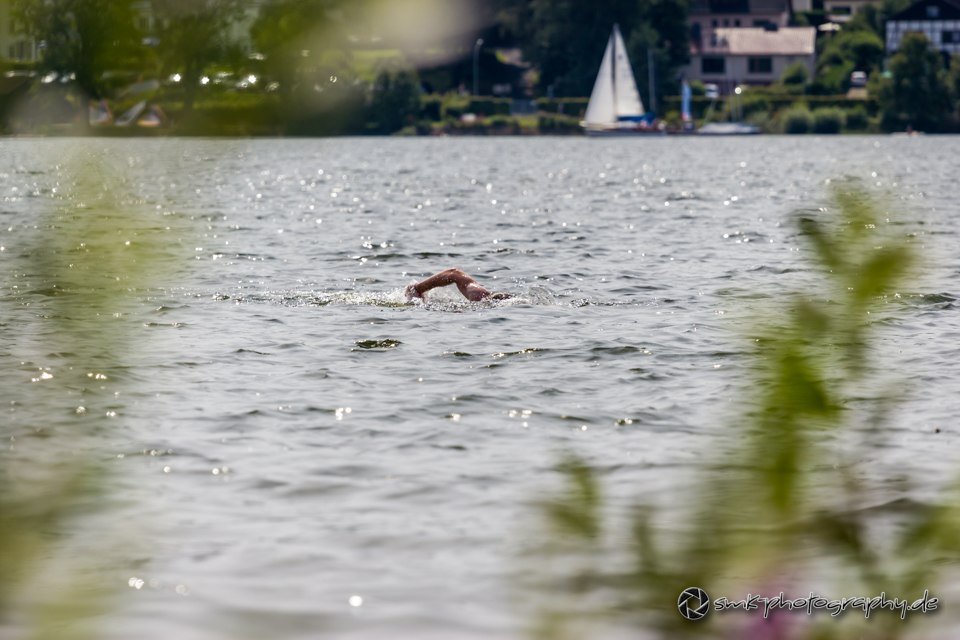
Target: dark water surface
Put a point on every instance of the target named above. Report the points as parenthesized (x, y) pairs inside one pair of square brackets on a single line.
[(291, 450)]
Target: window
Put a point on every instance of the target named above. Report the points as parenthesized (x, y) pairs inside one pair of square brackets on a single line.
[(933, 11), (736, 22), (715, 23), (841, 10), (950, 37), (760, 65), (713, 65)]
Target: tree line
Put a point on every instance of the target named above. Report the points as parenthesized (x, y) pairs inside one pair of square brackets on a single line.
[(304, 49), (563, 40)]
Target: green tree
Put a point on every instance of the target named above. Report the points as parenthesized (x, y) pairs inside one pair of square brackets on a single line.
[(953, 82), (307, 54), (565, 39), (845, 52), (916, 93), (193, 34), (662, 31), (395, 99), (874, 17), (291, 34), (82, 37)]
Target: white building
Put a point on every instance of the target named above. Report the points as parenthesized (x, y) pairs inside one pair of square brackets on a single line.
[(751, 55), (938, 20), (148, 25), (841, 11), (14, 45)]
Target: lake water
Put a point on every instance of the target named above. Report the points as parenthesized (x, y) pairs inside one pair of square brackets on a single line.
[(289, 448)]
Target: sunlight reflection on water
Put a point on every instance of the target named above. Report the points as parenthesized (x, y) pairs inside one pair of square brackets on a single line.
[(329, 445)]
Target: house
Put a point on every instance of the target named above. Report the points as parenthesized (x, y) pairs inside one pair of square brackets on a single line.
[(18, 47), (751, 55), (841, 11), (938, 20), (239, 34), (706, 16), (14, 45)]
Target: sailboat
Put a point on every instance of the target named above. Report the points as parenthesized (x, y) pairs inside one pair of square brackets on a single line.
[(130, 115), (615, 107), (99, 114), (734, 127)]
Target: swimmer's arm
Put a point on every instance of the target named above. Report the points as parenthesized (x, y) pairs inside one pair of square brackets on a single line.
[(470, 288)]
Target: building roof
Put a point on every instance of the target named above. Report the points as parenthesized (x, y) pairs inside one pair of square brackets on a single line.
[(709, 7), (948, 10), (749, 41)]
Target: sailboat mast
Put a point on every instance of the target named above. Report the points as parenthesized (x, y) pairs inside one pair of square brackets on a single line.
[(613, 69), (651, 80)]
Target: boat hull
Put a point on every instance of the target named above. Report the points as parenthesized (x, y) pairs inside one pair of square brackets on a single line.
[(623, 133), (728, 129)]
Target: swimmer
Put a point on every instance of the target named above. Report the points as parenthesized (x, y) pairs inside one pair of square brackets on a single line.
[(470, 288)]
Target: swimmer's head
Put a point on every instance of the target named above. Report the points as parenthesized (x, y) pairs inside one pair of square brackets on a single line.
[(500, 296)]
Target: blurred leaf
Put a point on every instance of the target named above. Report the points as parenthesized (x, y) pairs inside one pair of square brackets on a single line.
[(788, 498), (578, 514), (881, 272), (827, 252)]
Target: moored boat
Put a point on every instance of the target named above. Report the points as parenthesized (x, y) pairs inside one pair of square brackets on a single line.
[(615, 107)]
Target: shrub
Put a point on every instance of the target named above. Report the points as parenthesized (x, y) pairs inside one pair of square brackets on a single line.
[(797, 119), (566, 106), (749, 104), (857, 119), (483, 106), (760, 119), (784, 502), (430, 107), (828, 120), (796, 75), (454, 106), (558, 124), (697, 88)]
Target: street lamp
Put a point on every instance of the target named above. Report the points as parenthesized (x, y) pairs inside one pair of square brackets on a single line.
[(476, 66)]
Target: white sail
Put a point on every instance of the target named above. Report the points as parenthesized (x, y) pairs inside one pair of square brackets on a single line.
[(601, 110), (131, 114), (614, 94), (628, 102)]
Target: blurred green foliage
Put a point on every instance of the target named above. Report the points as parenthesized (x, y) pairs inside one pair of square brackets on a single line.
[(192, 34), (565, 40), (83, 37), (395, 99), (315, 65), (795, 77), (828, 120), (83, 276), (797, 119), (782, 503), (844, 53), (917, 92)]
